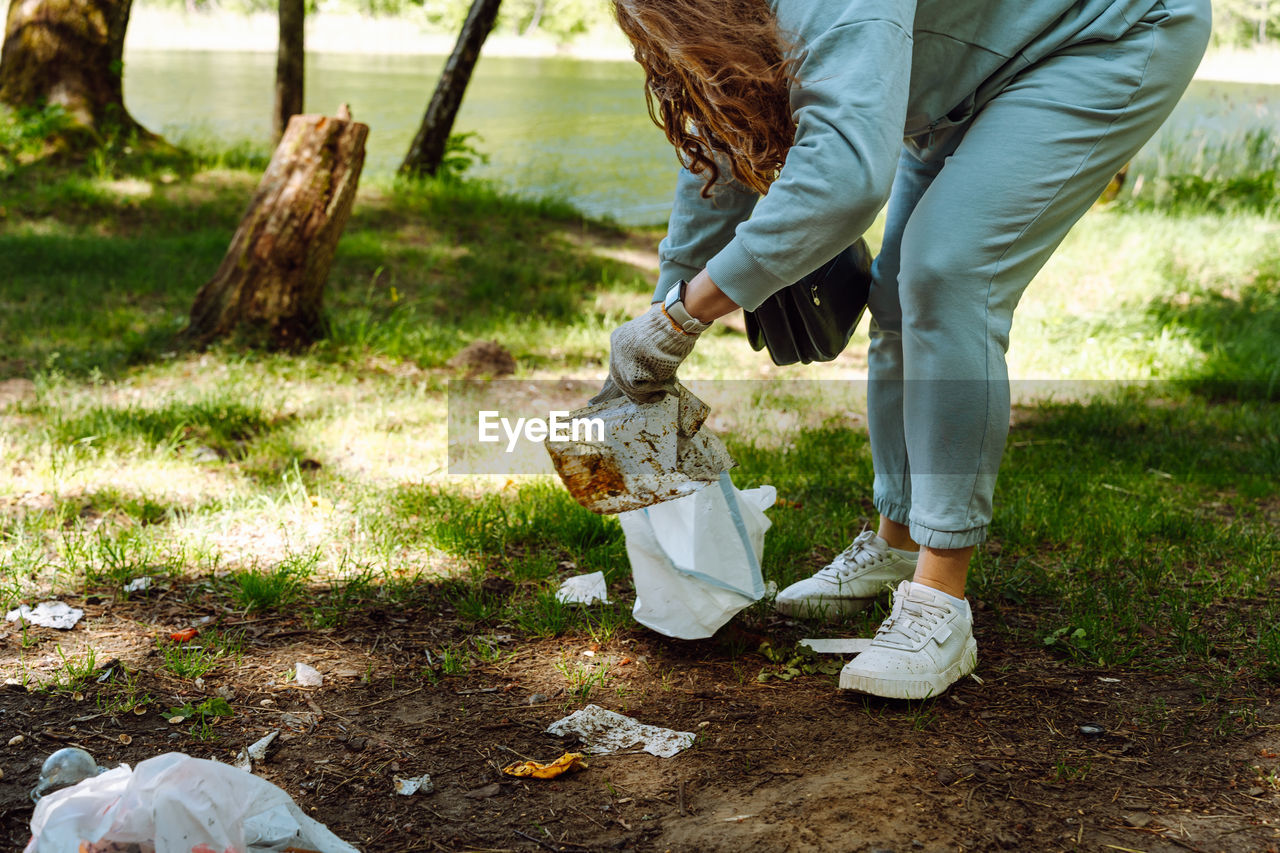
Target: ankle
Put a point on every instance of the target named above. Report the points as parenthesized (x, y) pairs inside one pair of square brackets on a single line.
[(897, 535)]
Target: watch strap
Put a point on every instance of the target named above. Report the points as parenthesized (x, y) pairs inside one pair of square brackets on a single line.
[(674, 306)]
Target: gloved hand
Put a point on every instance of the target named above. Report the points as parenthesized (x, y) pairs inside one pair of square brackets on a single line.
[(643, 356)]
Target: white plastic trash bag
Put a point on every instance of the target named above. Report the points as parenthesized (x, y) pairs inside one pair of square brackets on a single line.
[(174, 803), (695, 560)]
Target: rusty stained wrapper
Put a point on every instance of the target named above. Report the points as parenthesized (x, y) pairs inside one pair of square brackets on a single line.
[(651, 452)]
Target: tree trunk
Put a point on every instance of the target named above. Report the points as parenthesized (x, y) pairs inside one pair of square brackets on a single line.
[(428, 147), (270, 285), (290, 58), (68, 53)]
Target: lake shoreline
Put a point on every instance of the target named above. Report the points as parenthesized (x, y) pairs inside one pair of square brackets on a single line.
[(153, 29)]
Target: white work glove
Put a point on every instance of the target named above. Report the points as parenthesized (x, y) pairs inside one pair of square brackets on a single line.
[(643, 356)]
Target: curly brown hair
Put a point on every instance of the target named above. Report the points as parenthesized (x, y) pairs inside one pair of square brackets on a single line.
[(716, 81)]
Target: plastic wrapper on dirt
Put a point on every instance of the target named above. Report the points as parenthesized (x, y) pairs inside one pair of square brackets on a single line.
[(48, 614), (603, 731), (566, 763)]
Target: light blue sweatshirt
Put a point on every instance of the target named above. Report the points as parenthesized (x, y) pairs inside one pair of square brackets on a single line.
[(871, 74)]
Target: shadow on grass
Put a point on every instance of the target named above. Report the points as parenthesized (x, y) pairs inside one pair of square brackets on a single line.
[(99, 275), (1237, 327)]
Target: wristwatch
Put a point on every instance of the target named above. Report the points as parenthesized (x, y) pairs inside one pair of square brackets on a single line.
[(673, 304)]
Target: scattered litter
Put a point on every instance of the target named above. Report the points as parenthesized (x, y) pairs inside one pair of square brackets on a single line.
[(584, 589), (415, 785), (852, 646), (770, 590), (1137, 820), (255, 751), (16, 739), (1092, 729), (64, 767), (174, 803), (607, 731), (563, 764), (1106, 680), (141, 584), (299, 721), (48, 614), (484, 792), (185, 635), (737, 818), (205, 454), (307, 676)]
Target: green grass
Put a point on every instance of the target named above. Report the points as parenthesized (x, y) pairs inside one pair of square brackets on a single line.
[(1136, 523)]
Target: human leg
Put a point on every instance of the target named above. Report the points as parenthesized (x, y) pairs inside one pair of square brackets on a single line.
[(1030, 163)]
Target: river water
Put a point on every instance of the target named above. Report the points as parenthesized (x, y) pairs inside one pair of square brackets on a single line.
[(577, 129)]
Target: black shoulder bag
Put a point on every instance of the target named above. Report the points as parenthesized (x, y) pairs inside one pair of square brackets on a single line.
[(813, 319)]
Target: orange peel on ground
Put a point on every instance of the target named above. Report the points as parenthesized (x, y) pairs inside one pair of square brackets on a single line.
[(563, 764)]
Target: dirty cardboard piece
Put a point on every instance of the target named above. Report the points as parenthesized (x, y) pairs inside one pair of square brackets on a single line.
[(650, 452)]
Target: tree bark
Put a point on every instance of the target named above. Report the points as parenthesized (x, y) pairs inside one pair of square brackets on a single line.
[(290, 60), (270, 286), (69, 53), (428, 147)]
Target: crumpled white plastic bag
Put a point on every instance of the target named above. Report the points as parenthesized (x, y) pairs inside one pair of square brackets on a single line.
[(174, 803), (695, 560)]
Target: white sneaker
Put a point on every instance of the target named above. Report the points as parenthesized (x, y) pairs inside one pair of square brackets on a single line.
[(855, 578), (923, 647)]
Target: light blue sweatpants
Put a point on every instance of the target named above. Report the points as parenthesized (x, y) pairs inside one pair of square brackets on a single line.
[(971, 219)]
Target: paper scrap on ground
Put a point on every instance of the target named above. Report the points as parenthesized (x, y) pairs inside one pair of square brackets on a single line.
[(48, 614), (414, 784), (607, 731), (141, 584), (307, 676), (538, 770), (853, 646), (255, 751), (584, 589)]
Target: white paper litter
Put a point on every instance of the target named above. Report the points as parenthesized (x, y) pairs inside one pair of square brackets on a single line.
[(413, 785), (307, 676), (605, 731), (584, 589), (851, 646), (141, 584), (255, 751), (49, 614)]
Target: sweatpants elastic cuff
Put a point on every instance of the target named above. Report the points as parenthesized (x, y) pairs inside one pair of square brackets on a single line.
[(943, 539), (892, 511)]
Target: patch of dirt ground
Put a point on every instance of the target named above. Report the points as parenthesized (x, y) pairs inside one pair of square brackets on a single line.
[(1174, 765)]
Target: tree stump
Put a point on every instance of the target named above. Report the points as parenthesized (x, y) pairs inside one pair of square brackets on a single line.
[(270, 286)]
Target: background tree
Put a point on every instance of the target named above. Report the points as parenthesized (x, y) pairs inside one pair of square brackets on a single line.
[(427, 150), (70, 54), (290, 62)]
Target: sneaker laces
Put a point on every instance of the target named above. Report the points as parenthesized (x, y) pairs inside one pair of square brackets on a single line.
[(861, 553), (910, 621)]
